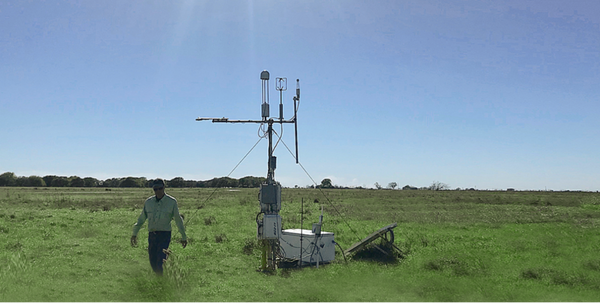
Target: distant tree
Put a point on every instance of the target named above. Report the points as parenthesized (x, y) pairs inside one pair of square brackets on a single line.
[(149, 183), (133, 182), (112, 182), (75, 181), (36, 181), (129, 182), (22, 182), (189, 183), (142, 181), (176, 182), (436, 185), (326, 183), (201, 184), (222, 182), (377, 185), (8, 179), (393, 185), (258, 181), (250, 181), (225, 182), (48, 179), (232, 182), (90, 182), (60, 182), (209, 183), (244, 182)]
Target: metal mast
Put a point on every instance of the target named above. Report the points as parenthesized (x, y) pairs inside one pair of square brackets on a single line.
[(269, 226)]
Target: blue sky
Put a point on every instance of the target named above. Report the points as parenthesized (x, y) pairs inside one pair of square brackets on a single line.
[(483, 94)]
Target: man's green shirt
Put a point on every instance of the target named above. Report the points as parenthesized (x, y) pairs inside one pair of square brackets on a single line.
[(159, 214)]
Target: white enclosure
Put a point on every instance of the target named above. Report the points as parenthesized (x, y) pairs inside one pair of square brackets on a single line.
[(322, 252)]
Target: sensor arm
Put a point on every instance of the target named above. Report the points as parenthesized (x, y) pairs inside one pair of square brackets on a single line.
[(226, 120)]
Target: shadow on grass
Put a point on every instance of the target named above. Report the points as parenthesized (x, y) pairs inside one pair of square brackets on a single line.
[(383, 253)]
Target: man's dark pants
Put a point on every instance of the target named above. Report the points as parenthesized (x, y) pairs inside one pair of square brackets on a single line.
[(157, 241)]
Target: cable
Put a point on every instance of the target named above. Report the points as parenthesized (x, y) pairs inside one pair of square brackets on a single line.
[(304, 249), (343, 254), (216, 188), (261, 127), (246, 155), (277, 143)]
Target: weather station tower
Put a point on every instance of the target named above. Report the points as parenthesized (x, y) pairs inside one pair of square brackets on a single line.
[(277, 244)]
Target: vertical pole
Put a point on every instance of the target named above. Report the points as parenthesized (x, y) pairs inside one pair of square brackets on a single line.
[(273, 264), (270, 174), (269, 256), (270, 247), (296, 128), (297, 98), (301, 231), (263, 261)]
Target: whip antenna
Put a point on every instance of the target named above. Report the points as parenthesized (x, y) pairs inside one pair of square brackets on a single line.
[(296, 100)]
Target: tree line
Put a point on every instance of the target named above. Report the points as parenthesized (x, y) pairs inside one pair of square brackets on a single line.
[(10, 179)]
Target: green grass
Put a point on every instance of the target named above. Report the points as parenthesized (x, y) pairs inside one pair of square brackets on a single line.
[(72, 244)]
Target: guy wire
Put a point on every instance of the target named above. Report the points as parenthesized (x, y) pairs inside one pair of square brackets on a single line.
[(216, 188), (331, 203)]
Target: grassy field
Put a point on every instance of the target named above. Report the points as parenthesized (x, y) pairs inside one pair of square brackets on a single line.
[(72, 244)]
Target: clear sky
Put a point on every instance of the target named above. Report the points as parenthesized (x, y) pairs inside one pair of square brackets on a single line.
[(483, 94)]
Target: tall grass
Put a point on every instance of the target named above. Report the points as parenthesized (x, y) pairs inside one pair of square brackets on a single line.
[(73, 245)]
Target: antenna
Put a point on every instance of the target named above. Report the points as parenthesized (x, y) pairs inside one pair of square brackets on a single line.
[(296, 99)]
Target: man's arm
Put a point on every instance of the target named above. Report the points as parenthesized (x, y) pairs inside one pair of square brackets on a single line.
[(141, 219), (179, 223)]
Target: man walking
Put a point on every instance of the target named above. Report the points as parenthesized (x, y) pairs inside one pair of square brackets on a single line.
[(159, 209)]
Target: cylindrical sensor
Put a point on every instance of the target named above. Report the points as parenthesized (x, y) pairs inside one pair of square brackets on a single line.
[(265, 110), (281, 111), (264, 75)]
